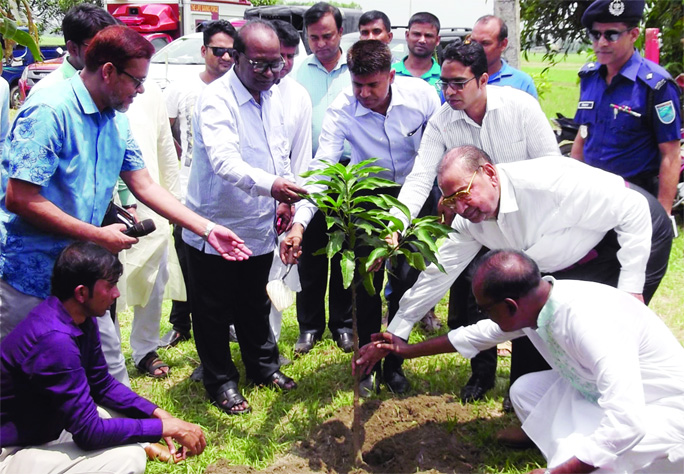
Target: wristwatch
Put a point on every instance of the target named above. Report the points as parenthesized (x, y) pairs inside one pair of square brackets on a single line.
[(208, 229)]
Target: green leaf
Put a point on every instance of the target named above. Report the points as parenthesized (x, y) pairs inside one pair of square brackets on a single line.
[(347, 264), (417, 261), (377, 253), (373, 183), (9, 30), (333, 220), (368, 283), (394, 202), (336, 239)]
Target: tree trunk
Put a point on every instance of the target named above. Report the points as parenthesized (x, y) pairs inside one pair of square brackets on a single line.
[(509, 11), (357, 425)]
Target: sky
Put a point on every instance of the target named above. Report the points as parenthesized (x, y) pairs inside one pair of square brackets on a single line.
[(451, 13)]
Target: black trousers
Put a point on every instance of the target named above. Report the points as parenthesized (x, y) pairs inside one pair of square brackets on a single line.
[(225, 293), (180, 310), (601, 265)]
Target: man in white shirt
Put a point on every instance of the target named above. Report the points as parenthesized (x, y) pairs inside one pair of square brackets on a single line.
[(381, 116), (240, 175), (614, 399), (559, 214), (324, 74), (506, 123), (181, 96)]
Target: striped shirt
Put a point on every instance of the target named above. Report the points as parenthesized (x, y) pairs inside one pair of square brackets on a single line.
[(514, 128)]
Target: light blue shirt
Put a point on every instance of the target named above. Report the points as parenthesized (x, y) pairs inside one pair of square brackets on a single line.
[(510, 76), (4, 111), (61, 142), (240, 148), (393, 138), (323, 87)]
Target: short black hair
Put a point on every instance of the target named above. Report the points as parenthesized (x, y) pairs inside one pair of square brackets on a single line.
[(506, 273), (83, 21), (503, 28), (373, 15), (471, 54), (239, 44), (424, 17), (211, 28), (83, 263), (368, 57), (319, 10), (287, 34)]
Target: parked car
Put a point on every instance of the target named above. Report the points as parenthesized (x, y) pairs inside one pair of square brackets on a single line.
[(13, 70), (36, 71)]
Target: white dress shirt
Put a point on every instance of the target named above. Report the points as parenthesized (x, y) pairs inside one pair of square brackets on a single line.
[(555, 210), (619, 400), (297, 103), (514, 128), (240, 148), (393, 138)]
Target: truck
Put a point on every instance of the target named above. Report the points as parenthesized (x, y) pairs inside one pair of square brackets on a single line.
[(175, 18)]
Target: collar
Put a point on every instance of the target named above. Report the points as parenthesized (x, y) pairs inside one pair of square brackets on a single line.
[(550, 307), (395, 100), (435, 70), (242, 95), (342, 62), (68, 71), (64, 317), (505, 71), (507, 201), (84, 98), (631, 67)]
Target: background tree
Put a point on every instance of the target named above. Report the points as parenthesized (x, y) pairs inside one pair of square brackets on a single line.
[(556, 25)]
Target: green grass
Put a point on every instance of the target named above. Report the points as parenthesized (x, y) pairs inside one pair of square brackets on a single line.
[(279, 419)]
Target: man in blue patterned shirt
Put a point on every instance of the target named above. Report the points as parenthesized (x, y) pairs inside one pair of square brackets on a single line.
[(68, 145)]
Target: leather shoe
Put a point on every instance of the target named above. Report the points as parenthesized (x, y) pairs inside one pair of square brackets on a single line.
[(507, 405), (280, 380), (514, 437), (345, 341), (197, 375), (396, 381), (475, 389), (369, 385), (305, 342), (172, 338)]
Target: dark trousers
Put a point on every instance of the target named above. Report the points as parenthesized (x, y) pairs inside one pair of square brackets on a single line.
[(225, 293), (313, 276), (601, 266), (180, 310)]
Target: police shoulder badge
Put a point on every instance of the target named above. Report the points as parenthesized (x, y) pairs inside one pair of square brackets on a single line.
[(666, 112), (616, 7)]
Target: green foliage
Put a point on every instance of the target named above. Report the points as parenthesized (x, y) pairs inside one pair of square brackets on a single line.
[(261, 3), (15, 13), (9, 31), (545, 22), (356, 219)]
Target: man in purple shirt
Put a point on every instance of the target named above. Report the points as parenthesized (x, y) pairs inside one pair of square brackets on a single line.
[(55, 384)]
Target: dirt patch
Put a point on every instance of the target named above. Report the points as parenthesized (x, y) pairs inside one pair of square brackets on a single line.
[(423, 434)]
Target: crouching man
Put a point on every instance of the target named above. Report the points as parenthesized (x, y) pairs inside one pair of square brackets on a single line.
[(614, 399), (56, 388)]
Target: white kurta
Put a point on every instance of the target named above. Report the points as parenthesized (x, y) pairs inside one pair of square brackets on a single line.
[(617, 401)]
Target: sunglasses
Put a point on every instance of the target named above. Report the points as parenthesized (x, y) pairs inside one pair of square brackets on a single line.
[(462, 195), (261, 66), (610, 35), (219, 52), (455, 85)]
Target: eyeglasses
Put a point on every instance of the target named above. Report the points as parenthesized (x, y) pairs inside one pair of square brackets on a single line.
[(462, 195), (610, 35), (219, 52), (455, 85), (261, 66), (136, 80), (484, 310)]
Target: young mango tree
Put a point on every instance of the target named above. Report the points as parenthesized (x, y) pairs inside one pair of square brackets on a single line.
[(360, 225)]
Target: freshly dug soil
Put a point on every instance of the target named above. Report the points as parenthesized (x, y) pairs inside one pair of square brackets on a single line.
[(421, 434)]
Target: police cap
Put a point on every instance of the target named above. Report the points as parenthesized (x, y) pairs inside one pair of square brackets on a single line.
[(613, 11)]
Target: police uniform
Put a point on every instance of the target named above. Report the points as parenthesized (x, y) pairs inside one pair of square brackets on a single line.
[(623, 122)]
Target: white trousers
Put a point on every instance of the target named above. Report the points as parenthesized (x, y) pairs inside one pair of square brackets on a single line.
[(62, 456), (554, 413), (147, 319), (15, 305)]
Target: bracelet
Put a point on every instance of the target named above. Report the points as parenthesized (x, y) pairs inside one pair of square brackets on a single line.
[(207, 231)]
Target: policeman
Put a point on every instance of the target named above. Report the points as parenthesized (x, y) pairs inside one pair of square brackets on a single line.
[(629, 110)]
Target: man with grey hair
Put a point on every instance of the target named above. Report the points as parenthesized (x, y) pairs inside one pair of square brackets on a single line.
[(241, 177)]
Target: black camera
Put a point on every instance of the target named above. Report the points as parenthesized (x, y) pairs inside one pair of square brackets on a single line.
[(118, 215)]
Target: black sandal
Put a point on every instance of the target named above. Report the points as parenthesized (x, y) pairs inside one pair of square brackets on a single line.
[(229, 398), (149, 364)]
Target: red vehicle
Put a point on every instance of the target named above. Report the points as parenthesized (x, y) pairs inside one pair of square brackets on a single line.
[(36, 71)]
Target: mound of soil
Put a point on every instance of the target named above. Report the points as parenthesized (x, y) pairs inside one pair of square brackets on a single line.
[(417, 434)]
